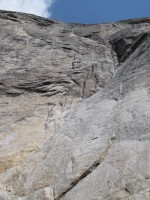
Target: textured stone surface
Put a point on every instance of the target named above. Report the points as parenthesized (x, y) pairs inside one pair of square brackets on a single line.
[(74, 109)]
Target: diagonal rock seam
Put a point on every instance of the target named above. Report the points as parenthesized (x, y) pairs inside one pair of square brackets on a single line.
[(96, 164)]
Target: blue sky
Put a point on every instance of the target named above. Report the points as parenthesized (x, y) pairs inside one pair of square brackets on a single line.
[(97, 11), (81, 11)]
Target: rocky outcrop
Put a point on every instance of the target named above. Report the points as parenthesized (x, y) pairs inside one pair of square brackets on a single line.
[(75, 116)]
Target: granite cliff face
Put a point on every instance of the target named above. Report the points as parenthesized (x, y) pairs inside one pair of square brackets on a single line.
[(74, 109)]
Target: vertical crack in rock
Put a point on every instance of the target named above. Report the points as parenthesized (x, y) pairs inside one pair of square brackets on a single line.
[(84, 84)]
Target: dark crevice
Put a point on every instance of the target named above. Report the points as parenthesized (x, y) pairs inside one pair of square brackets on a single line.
[(78, 72), (75, 81), (140, 40), (135, 45), (69, 49), (124, 47), (85, 174), (9, 94), (126, 189)]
